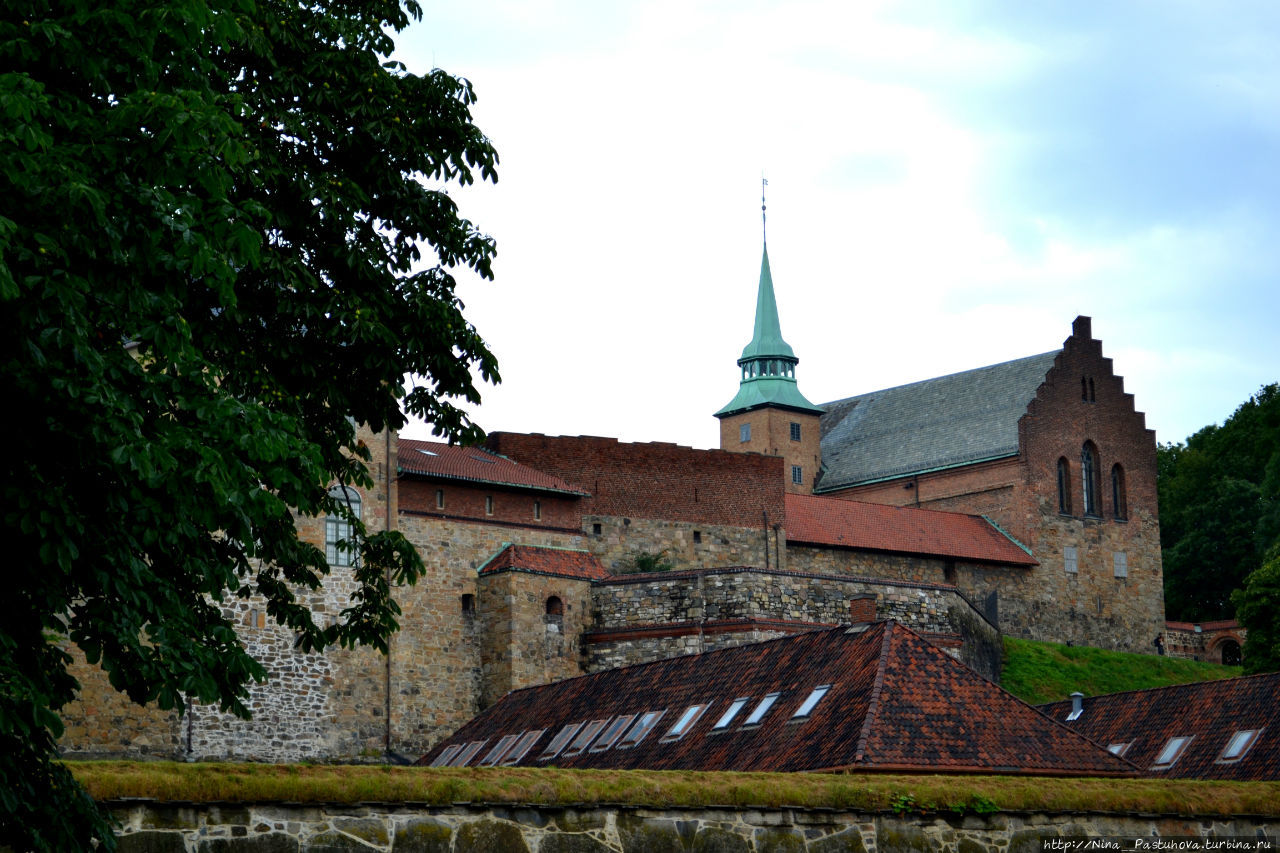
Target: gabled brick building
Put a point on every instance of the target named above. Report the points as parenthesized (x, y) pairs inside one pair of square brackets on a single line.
[(867, 698)]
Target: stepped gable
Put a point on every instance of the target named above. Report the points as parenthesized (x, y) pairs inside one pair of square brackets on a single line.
[(924, 426), (437, 460), (656, 480), (1210, 713), (824, 521), (555, 562), (893, 703)]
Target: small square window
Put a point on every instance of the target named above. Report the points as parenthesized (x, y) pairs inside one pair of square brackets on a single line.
[(1071, 560), (1238, 745), (1120, 561), (488, 505), (795, 432), (761, 709), (797, 475), (1171, 753), (683, 725), (727, 717), (744, 433), (439, 498), (595, 530)]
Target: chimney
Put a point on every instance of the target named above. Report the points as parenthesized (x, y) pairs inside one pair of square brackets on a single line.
[(1077, 706), (862, 608), (1082, 327)]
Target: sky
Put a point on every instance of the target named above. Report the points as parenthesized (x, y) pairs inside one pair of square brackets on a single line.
[(950, 185)]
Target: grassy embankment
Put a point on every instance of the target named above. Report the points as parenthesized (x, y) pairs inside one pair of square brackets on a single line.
[(1036, 672), (1046, 672)]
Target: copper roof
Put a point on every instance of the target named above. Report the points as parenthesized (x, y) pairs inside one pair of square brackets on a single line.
[(474, 464), (1210, 713), (560, 562), (895, 703), (814, 520)]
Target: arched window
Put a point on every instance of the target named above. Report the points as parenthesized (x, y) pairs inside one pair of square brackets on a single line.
[(555, 614), (340, 548), (1089, 476), (1119, 502), (1064, 486)]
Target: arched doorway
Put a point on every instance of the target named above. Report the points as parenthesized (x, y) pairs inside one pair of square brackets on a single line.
[(1231, 654)]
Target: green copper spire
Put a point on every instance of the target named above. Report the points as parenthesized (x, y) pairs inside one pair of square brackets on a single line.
[(768, 362)]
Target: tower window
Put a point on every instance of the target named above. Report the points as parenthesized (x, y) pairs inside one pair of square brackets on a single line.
[(795, 431), (1119, 501), (1089, 476), (1120, 564), (339, 545), (744, 433), (797, 475), (468, 605), (1064, 486), (1071, 560)]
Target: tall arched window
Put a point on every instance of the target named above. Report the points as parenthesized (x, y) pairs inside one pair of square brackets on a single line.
[(1119, 501), (340, 548), (1064, 486), (1089, 476)]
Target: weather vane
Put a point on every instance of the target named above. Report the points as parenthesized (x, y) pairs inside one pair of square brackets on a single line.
[(764, 225)]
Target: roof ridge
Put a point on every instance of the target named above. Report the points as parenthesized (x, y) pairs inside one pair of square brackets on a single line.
[(877, 686), (944, 376)]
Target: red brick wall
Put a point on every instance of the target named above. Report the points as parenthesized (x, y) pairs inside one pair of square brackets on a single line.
[(655, 480), (467, 500)]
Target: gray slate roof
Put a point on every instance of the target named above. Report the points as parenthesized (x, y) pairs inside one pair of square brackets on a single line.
[(938, 423)]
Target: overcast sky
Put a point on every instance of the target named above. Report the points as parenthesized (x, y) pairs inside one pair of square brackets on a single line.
[(950, 184)]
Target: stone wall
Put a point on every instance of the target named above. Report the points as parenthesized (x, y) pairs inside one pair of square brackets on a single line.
[(687, 545), (477, 828), (1217, 642)]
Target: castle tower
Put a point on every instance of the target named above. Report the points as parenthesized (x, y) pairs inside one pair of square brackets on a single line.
[(769, 414)]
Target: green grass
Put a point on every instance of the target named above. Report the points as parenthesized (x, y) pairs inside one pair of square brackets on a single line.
[(172, 781), (1046, 672)]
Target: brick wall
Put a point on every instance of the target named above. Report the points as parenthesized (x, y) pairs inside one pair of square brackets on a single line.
[(771, 435), (488, 503)]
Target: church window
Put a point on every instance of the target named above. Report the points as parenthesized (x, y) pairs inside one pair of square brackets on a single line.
[(744, 433), (1064, 486), (797, 475), (1071, 560), (339, 545), (1119, 501), (795, 431), (1089, 478), (1120, 564), (1086, 389)]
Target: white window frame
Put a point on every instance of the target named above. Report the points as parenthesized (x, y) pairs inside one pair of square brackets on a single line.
[(685, 723), (1243, 741), (522, 746), (761, 709), (585, 737), (811, 701), (338, 529), (744, 433), (1172, 751), (726, 719), (612, 732), (1120, 564), (1071, 560), (560, 741), (646, 723)]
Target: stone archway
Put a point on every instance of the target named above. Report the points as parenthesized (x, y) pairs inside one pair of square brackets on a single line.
[(1228, 651)]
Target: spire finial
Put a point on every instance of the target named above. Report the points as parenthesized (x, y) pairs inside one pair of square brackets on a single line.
[(764, 225)]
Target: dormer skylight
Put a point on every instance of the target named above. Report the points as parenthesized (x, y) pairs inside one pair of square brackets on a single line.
[(811, 702), (499, 750), (682, 726), (558, 742), (1171, 753), (641, 729), (1119, 749), (468, 753), (612, 732), (727, 717), (522, 746), (427, 452), (761, 709), (442, 760), (584, 738), (1238, 745)]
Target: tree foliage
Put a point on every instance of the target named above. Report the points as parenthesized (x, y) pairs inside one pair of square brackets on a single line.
[(1220, 508), (224, 237), (1256, 608)]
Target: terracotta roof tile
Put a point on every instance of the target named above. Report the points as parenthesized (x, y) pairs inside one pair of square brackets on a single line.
[(475, 464), (1209, 712), (561, 562), (852, 524), (894, 703)]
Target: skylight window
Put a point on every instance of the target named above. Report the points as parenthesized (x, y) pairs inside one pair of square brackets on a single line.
[(427, 452), (811, 702), (558, 742), (613, 732), (522, 746), (1239, 745), (682, 726), (584, 738), (442, 760), (761, 709), (727, 717), (1119, 749), (1172, 752), (499, 749), (468, 753), (641, 729)]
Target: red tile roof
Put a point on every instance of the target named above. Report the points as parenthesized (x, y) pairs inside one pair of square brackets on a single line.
[(560, 562), (474, 464), (1210, 712), (895, 703), (813, 520)]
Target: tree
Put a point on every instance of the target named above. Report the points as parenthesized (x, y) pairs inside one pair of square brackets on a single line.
[(212, 232), (1219, 507), (1256, 608)]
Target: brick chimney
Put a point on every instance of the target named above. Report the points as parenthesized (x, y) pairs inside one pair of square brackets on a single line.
[(862, 608)]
